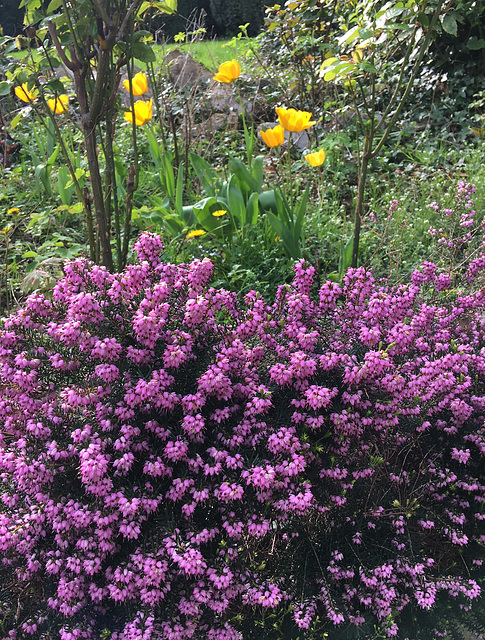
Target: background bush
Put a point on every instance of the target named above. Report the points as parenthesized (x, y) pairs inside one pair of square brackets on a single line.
[(11, 17)]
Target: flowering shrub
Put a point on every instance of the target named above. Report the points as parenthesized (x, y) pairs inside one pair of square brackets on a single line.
[(177, 463)]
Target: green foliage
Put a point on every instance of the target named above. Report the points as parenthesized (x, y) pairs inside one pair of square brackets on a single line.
[(230, 14), (11, 17)]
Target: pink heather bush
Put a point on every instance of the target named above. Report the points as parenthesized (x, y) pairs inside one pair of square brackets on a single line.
[(180, 464)]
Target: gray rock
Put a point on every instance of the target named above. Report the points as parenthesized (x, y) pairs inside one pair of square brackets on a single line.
[(184, 71)]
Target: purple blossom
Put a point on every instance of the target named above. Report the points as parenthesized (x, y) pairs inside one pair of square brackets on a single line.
[(169, 473)]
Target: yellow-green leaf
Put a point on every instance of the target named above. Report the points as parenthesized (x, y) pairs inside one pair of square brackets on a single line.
[(14, 122), (76, 208)]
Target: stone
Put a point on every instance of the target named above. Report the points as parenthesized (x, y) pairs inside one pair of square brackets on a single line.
[(184, 71)]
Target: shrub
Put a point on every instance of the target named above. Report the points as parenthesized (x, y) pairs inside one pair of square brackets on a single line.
[(179, 463), (230, 14), (11, 17)]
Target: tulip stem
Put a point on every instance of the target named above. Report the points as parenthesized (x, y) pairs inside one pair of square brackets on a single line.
[(248, 135), (290, 175)]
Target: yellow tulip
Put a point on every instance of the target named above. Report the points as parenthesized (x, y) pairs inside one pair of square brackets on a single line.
[(228, 72), (24, 94), (143, 112), (60, 104), (218, 214), (273, 137), (315, 159), (293, 120), (139, 84)]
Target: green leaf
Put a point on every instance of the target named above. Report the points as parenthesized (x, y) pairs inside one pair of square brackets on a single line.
[(53, 156), (267, 201), (449, 25), (236, 201), (366, 33), (474, 44), (65, 185), (423, 19), (367, 66), (55, 85), (179, 190), (167, 177), (349, 36), (291, 249), (54, 5), (138, 35), (300, 213), (345, 258), (252, 209), (4, 88), (143, 52), (206, 174), (203, 212), (155, 150), (169, 6), (258, 172), (246, 180)]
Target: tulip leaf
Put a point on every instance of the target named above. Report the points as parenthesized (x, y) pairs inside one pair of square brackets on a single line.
[(236, 201), (345, 258), (258, 172), (206, 174), (267, 201), (252, 209), (291, 248), (300, 213), (179, 190), (203, 212), (246, 180)]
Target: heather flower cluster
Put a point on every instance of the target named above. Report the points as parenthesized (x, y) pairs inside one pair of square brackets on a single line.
[(459, 239), (179, 463)]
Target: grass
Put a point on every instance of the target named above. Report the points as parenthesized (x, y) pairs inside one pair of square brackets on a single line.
[(210, 53)]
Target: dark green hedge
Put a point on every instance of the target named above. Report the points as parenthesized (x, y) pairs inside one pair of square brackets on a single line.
[(11, 17), (223, 17)]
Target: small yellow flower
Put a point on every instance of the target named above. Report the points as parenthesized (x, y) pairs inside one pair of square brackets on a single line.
[(195, 234), (13, 210), (309, 58), (293, 120), (219, 213), (24, 94), (143, 112), (273, 137), (139, 84), (60, 104), (315, 159), (228, 72)]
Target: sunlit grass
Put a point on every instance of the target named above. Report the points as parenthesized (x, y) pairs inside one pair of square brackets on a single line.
[(210, 53)]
